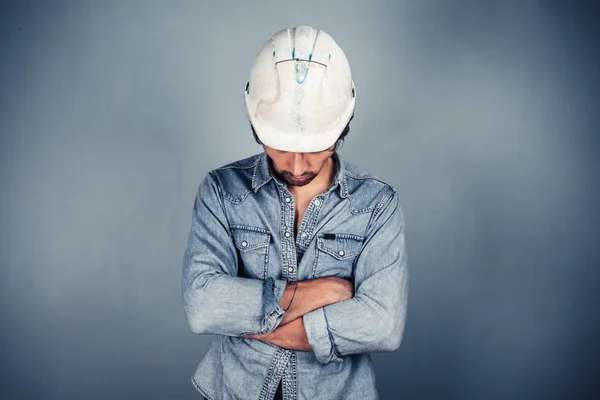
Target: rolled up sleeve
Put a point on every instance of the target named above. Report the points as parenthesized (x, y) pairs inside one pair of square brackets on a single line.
[(317, 333), (215, 299), (374, 319)]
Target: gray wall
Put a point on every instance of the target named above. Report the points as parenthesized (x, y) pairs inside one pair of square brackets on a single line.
[(484, 115)]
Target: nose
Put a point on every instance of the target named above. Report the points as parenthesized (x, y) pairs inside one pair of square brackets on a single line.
[(298, 164)]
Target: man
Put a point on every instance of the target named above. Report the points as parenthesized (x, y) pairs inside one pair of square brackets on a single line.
[(296, 259)]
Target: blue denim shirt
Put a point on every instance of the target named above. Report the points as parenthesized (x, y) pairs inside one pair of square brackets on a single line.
[(242, 251)]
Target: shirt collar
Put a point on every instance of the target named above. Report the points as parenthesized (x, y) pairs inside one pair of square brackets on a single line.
[(263, 174)]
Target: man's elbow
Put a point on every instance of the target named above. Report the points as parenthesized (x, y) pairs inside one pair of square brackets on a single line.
[(198, 319), (393, 342), (197, 327), (196, 322), (195, 306), (393, 338)]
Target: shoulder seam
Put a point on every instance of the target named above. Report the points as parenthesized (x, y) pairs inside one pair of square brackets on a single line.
[(387, 198), (372, 177), (218, 185), (226, 195), (236, 165)]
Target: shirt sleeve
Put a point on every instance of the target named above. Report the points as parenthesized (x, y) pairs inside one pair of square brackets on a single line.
[(374, 319), (215, 299)]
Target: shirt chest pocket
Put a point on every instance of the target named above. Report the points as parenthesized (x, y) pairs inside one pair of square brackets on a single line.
[(252, 244), (335, 254)]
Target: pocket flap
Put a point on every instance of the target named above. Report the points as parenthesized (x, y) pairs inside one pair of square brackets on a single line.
[(248, 238), (340, 245)]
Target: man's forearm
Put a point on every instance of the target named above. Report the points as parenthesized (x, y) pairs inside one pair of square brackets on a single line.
[(312, 294), (289, 336)]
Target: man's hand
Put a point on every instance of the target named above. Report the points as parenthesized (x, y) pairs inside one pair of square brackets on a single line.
[(289, 336)]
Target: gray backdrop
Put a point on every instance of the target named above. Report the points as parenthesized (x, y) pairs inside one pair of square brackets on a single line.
[(482, 114)]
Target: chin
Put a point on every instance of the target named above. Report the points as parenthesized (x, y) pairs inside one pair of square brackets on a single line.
[(299, 184)]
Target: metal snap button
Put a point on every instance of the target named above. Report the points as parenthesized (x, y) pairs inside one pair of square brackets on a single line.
[(341, 252), (287, 234), (244, 243), (291, 269)]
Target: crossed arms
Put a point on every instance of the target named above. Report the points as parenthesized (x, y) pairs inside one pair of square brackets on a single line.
[(325, 316), (309, 295)]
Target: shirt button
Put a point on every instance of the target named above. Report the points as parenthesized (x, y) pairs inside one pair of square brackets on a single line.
[(317, 202), (244, 243), (341, 252), (287, 234), (291, 269), (287, 199), (304, 236)]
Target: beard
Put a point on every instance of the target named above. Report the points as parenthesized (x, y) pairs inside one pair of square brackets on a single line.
[(292, 180)]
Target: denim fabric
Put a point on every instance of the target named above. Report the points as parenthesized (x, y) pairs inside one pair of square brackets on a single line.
[(240, 254)]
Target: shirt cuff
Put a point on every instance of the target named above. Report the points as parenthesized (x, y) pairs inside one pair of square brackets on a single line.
[(315, 324), (273, 312)]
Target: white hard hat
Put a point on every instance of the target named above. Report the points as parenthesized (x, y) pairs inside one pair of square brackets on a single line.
[(300, 95)]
